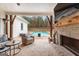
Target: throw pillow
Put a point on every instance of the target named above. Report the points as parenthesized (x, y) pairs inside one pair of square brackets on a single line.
[(4, 38), (1, 39), (1, 46)]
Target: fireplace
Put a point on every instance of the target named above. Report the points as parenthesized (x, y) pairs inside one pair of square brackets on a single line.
[(71, 44)]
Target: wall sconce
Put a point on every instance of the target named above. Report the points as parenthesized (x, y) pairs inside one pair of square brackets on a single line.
[(70, 21), (5, 21)]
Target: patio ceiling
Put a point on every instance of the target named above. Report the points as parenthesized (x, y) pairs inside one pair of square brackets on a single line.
[(28, 8), (61, 7)]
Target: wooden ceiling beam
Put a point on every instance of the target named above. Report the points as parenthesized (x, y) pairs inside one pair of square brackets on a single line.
[(13, 19)]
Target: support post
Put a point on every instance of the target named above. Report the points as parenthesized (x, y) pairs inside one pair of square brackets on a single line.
[(11, 25), (51, 28), (6, 21), (11, 28)]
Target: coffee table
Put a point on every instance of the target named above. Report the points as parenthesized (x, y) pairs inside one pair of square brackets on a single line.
[(12, 45)]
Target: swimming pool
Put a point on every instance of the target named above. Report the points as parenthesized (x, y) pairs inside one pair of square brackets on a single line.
[(41, 33)]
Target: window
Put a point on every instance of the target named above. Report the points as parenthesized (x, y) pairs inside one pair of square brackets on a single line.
[(21, 26)]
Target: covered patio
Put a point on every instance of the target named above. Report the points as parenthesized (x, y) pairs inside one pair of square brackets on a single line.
[(41, 46), (19, 9)]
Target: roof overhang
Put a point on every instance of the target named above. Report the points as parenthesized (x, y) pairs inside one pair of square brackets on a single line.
[(28, 8), (29, 13)]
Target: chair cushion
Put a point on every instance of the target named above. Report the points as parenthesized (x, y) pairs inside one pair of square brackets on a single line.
[(1, 39), (29, 38), (4, 38), (4, 49), (1, 46)]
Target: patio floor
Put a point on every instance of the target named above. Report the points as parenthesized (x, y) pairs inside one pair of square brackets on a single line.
[(41, 47)]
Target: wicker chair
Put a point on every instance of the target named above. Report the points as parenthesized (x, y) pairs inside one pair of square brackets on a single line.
[(27, 39)]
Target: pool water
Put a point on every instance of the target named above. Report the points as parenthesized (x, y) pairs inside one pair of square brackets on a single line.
[(41, 33)]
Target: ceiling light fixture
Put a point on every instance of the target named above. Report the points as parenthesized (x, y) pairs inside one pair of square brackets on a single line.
[(18, 4)]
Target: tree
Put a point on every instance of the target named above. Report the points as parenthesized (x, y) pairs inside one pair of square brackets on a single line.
[(40, 21), (37, 21)]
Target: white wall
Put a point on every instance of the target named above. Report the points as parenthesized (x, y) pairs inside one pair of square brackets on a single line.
[(17, 27), (2, 15), (1, 26)]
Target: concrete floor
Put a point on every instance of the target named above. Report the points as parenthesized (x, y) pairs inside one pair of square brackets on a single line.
[(41, 47)]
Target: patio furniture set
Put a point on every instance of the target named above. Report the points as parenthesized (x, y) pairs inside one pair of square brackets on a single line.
[(13, 47), (6, 45)]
